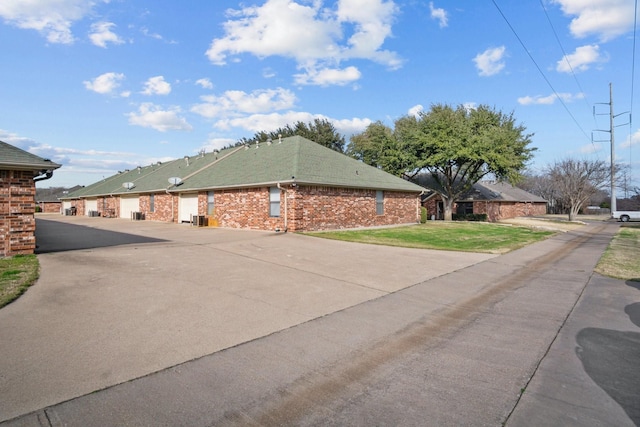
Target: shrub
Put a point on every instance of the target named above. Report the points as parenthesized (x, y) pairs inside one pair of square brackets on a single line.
[(423, 215), (469, 217)]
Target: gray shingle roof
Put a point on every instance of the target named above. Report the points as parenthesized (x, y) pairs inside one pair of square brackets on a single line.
[(295, 159), (500, 191), (14, 158)]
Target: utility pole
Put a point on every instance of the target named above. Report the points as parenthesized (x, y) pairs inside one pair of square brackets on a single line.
[(612, 141), (613, 152)]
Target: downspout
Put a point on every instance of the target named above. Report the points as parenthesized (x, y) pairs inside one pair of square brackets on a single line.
[(47, 174), (173, 216), (285, 206), (420, 206)]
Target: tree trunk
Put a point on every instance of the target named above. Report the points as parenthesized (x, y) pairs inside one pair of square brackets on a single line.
[(448, 209), (573, 213)]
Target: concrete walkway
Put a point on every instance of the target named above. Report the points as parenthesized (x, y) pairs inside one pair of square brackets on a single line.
[(456, 348)]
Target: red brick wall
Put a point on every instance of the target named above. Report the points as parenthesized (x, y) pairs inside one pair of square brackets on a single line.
[(163, 205), (50, 207), (306, 208), (310, 208), (502, 210), (495, 210), (243, 208), (17, 213), (326, 208), (109, 207)]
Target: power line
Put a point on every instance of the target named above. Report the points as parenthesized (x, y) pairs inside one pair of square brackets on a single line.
[(540, 71), (565, 56), (633, 71)]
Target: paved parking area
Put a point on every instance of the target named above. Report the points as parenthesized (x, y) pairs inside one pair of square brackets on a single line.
[(120, 299)]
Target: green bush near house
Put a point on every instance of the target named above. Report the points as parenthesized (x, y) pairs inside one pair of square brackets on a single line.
[(423, 215), (469, 217), (17, 273)]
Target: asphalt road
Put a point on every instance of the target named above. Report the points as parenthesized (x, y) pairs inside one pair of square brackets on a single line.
[(529, 338)]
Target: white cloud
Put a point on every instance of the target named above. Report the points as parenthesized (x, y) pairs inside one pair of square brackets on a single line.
[(72, 159), (16, 140), (234, 102), (328, 76), (416, 110), (606, 18), (156, 86), (273, 121), (630, 140), (314, 36), (490, 62), (590, 148), (204, 83), (52, 18), (580, 60), (105, 83), (439, 14), (152, 116), (549, 99), (101, 34)]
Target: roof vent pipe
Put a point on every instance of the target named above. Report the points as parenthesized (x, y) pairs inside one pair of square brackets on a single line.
[(279, 138), (186, 159)]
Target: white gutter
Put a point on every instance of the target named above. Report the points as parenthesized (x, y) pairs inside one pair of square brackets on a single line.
[(285, 207)]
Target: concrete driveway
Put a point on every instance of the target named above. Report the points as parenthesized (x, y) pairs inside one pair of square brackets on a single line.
[(119, 299)]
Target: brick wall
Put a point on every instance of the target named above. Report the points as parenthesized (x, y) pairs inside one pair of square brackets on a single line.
[(503, 210), (496, 210), (163, 205), (306, 208), (17, 213), (50, 207), (326, 208), (303, 208), (109, 207), (243, 208)]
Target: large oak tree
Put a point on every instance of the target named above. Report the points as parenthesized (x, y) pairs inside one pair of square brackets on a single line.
[(455, 147)]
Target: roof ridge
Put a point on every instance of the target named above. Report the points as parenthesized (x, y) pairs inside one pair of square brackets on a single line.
[(208, 165)]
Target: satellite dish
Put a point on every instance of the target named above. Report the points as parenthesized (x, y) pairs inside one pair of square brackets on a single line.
[(174, 180), (128, 185)]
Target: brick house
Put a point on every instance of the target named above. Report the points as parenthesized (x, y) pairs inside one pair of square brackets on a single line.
[(48, 199), (291, 184), (19, 171), (497, 200)]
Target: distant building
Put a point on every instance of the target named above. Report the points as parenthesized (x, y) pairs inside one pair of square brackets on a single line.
[(48, 199), (495, 199), (289, 184), (19, 171)]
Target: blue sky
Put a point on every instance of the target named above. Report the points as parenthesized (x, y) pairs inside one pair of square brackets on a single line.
[(106, 85)]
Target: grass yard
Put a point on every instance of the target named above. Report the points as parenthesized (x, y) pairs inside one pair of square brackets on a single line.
[(16, 275), (452, 236), (621, 259)]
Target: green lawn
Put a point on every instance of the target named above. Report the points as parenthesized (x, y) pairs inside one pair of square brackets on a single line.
[(452, 236), (16, 275), (620, 260)]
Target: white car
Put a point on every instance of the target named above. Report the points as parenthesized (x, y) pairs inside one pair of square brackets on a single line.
[(626, 216)]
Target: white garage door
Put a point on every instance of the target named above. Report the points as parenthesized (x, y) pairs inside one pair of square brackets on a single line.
[(187, 206), (90, 205), (128, 205), (66, 205)]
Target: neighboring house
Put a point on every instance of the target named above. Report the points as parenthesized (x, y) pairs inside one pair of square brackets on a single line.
[(495, 199), (48, 199), (19, 172), (290, 184)]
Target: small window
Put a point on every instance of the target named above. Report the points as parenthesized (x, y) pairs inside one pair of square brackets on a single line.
[(379, 202), (274, 201), (152, 203), (210, 203), (464, 208)]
